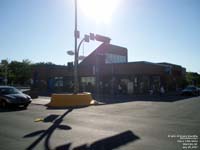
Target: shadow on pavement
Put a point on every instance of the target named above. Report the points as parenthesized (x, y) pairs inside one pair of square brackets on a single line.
[(11, 109), (108, 143), (46, 134), (64, 108), (50, 118), (108, 99)]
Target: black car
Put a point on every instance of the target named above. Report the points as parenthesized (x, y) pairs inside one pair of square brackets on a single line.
[(10, 96), (190, 91)]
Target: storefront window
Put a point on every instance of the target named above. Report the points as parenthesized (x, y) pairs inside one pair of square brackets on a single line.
[(58, 81), (86, 80)]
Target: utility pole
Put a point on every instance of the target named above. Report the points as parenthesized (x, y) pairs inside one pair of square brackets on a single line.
[(76, 52)]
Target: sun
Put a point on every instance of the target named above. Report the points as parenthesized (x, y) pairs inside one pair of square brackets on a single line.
[(99, 10)]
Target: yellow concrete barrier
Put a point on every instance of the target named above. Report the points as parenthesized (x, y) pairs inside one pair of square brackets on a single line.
[(71, 100)]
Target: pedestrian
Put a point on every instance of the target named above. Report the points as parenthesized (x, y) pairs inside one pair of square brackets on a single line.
[(119, 89), (162, 90)]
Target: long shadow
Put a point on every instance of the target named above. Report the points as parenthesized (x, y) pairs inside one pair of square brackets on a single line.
[(11, 109), (64, 108), (46, 134), (113, 99), (108, 143)]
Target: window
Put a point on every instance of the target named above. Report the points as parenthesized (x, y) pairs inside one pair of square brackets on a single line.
[(114, 58), (58, 81), (86, 80)]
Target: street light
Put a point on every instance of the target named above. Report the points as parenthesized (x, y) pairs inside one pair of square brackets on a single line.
[(77, 58), (71, 53), (76, 36)]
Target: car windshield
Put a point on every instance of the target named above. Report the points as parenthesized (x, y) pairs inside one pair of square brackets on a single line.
[(6, 91)]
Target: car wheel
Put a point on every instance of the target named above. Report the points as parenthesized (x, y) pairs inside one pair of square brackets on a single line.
[(25, 106), (3, 104)]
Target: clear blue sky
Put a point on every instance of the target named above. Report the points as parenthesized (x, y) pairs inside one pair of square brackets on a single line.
[(152, 30)]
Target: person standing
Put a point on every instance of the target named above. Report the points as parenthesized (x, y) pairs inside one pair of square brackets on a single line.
[(162, 90)]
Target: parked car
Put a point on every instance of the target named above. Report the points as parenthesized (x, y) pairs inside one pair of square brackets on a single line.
[(198, 91), (191, 91), (11, 96)]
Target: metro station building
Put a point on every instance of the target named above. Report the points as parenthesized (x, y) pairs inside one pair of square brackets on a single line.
[(107, 70)]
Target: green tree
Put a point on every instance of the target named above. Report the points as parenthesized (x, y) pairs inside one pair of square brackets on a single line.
[(44, 64), (20, 72), (193, 78), (4, 71)]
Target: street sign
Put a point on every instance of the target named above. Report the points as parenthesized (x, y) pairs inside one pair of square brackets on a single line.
[(102, 38)]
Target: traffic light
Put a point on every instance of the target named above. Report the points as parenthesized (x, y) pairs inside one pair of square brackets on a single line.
[(92, 36), (87, 38), (102, 38)]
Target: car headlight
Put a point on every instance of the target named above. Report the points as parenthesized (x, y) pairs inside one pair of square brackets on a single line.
[(29, 98)]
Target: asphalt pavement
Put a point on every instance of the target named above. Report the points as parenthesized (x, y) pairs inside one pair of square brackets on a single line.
[(128, 125)]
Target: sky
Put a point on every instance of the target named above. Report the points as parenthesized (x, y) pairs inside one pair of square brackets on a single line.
[(151, 30)]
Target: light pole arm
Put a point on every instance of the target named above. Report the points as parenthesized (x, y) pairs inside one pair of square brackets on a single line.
[(79, 45)]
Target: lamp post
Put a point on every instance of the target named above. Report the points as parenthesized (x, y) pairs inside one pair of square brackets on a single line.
[(76, 59), (76, 50), (76, 34)]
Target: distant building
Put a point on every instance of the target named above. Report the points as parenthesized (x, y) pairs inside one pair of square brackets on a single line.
[(48, 78), (107, 70)]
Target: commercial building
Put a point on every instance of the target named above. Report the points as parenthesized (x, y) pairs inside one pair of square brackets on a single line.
[(107, 70)]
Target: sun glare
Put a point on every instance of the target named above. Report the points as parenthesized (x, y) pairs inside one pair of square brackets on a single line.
[(99, 10)]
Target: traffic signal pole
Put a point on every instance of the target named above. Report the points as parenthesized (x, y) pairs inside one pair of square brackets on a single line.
[(76, 49), (76, 52)]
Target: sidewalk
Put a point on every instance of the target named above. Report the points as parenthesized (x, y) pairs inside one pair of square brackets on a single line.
[(41, 100)]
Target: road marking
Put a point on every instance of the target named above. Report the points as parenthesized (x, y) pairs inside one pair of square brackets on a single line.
[(39, 120)]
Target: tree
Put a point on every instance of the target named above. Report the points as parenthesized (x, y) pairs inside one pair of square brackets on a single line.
[(4, 71), (193, 78), (44, 64), (20, 72)]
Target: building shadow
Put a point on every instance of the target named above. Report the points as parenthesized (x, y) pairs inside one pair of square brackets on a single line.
[(113, 99), (108, 143), (46, 134)]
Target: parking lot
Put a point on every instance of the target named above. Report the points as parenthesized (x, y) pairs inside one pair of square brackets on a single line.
[(139, 125)]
